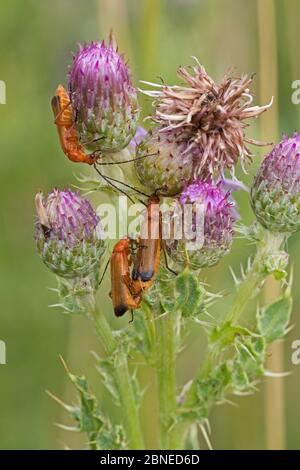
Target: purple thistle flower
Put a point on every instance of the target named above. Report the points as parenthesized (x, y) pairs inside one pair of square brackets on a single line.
[(217, 225), (68, 234), (104, 100), (275, 193), (140, 135), (233, 185)]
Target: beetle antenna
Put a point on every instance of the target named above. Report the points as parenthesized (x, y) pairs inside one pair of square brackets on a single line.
[(104, 272), (127, 161), (120, 182), (109, 181), (166, 263)]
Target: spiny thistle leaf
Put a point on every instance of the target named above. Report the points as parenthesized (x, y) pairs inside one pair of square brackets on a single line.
[(209, 391), (239, 377), (143, 332), (87, 415), (111, 438), (189, 293), (226, 334), (248, 364), (105, 367), (77, 296), (102, 435), (274, 319), (192, 441), (138, 392), (182, 293)]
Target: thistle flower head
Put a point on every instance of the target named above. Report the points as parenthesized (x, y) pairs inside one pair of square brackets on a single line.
[(103, 97), (210, 117), (162, 164), (68, 234), (216, 225), (275, 194)]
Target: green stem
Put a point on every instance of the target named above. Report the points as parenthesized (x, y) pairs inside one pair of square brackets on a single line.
[(166, 374), (270, 243), (104, 332), (123, 380), (128, 401)]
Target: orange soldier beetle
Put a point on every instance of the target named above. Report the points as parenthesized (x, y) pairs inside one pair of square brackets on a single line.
[(69, 141), (125, 293), (65, 122), (148, 256)]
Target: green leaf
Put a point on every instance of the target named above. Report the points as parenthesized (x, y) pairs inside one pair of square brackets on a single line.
[(227, 333), (102, 435), (87, 415), (189, 293), (111, 438), (210, 391), (138, 393), (274, 319), (192, 441), (105, 367), (141, 337), (239, 377)]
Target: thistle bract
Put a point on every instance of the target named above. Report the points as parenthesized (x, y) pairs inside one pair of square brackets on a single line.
[(275, 194), (104, 100), (213, 228), (162, 164), (68, 234), (210, 117)]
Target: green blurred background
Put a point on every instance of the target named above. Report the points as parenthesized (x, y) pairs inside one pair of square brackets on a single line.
[(36, 40)]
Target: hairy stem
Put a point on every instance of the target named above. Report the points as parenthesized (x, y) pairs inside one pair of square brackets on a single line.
[(166, 374), (123, 380), (128, 401), (104, 332), (269, 245)]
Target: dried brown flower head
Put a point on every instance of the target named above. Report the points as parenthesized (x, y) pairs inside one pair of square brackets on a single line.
[(211, 117)]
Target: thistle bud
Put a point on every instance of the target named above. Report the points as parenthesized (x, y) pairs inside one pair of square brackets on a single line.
[(162, 165), (216, 226), (103, 98), (68, 234), (275, 194)]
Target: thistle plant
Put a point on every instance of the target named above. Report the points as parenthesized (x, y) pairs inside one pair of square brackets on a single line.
[(198, 136)]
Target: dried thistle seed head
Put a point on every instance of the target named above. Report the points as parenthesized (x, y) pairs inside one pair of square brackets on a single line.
[(275, 193), (162, 164), (210, 118), (215, 220), (68, 234), (103, 97)]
